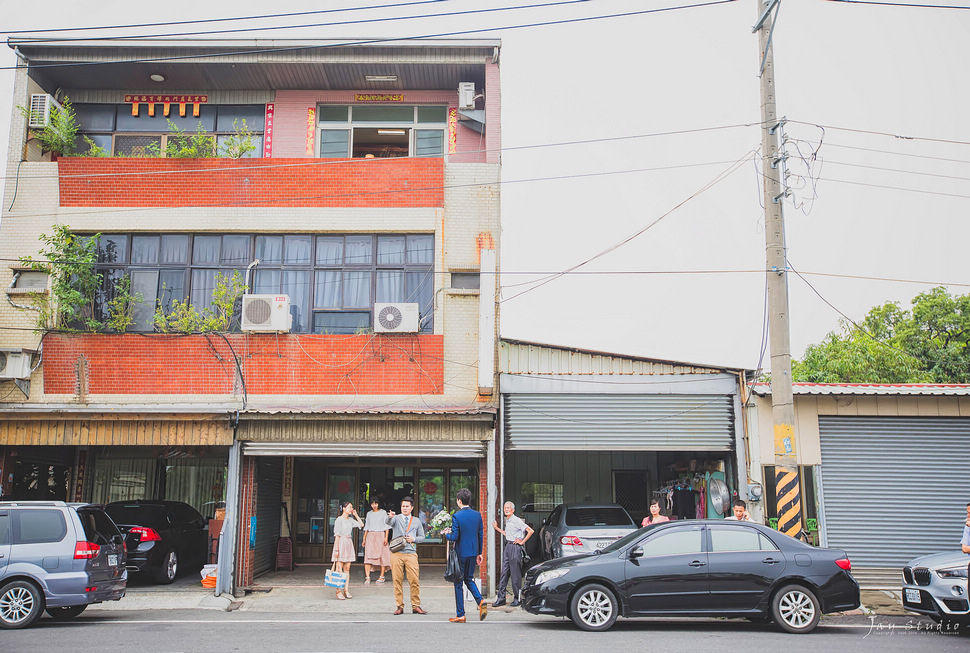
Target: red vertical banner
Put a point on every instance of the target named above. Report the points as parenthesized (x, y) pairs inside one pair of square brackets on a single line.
[(452, 130), (82, 459), (268, 131), (311, 127)]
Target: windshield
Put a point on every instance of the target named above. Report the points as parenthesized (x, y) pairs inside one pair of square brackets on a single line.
[(137, 515), (598, 517)]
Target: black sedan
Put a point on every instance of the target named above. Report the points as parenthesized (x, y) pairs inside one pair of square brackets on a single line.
[(160, 536), (696, 568)]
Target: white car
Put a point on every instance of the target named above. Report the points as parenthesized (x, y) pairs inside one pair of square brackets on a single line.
[(935, 585)]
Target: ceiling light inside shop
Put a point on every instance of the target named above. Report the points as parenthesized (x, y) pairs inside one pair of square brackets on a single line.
[(381, 78)]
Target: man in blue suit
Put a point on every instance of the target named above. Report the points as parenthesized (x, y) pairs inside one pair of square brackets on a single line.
[(466, 533)]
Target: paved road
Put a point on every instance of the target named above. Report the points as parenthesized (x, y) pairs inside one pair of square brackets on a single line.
[(198, 630)]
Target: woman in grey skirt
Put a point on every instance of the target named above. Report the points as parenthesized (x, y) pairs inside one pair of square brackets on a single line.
[(344, 552)]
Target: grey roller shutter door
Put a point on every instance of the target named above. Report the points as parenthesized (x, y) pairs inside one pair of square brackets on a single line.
[(619, 422), (893, 488), (269, 496)]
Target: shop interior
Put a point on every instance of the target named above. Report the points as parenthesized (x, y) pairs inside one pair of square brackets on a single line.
[(323, 484)]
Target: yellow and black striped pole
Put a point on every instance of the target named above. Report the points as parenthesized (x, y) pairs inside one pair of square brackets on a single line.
[(775, 190)]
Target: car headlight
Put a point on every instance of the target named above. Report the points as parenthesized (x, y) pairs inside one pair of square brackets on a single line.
[(550, 574), (952, 572)]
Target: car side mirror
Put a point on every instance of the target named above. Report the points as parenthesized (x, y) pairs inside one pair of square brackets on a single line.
[(636, 552), (117, 540)]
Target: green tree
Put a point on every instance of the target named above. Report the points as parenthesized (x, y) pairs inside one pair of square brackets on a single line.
[(928, 344)]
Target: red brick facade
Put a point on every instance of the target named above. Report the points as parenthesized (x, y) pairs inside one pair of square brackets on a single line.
[(403, 182), (271, 365)]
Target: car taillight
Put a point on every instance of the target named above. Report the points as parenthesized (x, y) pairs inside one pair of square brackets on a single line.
[(147, 534), (86, 550), (844, 564), (570, 540)]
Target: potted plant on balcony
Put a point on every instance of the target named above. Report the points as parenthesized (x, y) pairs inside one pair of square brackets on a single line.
[(59, 135)]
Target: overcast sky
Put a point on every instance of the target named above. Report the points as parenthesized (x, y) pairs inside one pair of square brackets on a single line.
[(879, 145)]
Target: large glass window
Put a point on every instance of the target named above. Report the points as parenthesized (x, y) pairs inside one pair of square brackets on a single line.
[(333, 281), (681, 540), (113, 127), (381, 131)]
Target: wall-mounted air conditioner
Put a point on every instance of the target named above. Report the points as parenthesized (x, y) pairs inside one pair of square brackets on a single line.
[(15, 363), (41, 107), (266, 313), (466, 95), (396, 318)]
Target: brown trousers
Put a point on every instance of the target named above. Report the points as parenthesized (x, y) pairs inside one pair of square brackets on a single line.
[(401, 564)]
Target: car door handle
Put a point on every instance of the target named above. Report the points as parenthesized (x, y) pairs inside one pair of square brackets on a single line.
[(770, 561), (697, 563)]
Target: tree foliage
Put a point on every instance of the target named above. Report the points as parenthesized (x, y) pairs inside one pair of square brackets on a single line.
[(927, 344)]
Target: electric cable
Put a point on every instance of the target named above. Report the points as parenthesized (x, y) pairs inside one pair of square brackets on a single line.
[(388, 40)]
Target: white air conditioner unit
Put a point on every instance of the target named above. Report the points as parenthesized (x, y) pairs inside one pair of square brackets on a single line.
[(41, 106), (466, 95), (396, 318), (266, 313), (15, 363)]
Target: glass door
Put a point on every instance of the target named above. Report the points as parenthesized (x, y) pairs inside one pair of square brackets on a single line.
[(431, 499), (341, 487)]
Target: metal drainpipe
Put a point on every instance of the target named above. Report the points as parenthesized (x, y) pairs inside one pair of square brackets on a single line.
[(227, 538), (248, 268), (490, 494)]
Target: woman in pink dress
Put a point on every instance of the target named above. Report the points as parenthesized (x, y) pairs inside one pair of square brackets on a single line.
[(344, 552), (655, 517), (376, 552)]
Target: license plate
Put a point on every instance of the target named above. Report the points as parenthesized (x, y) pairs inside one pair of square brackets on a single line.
[(112, 560), (913, 596), (602, 545)]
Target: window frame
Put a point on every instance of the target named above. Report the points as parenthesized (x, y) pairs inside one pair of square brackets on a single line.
[(350, 125), (422, 293)]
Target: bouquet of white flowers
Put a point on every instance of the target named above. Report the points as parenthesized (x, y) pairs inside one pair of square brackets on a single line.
[(440, 521)]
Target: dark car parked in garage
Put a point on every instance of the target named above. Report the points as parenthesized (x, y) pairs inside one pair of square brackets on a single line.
[(161, 536), (696, 568), (59, 557)]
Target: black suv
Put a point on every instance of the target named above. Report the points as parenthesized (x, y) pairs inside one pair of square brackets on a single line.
[(58, 557)]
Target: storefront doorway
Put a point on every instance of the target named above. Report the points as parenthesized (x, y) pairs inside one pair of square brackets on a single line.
[(321, 486)]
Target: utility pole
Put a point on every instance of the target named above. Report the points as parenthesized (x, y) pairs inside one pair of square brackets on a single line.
[(787, 487)]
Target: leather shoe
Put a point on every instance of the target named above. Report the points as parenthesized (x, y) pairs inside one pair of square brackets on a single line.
[(399, 611), (482, 610), (498, 604), (515, 604), (457, 620), (419, 610)]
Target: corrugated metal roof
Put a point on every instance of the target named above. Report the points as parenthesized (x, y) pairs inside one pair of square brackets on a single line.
[(524, 357), (259, 64), (939, 389)]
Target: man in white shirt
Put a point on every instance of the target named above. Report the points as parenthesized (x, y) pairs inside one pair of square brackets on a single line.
[(740, 512), (516, 533)]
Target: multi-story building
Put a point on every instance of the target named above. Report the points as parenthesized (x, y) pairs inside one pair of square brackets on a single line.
[(370, 202)]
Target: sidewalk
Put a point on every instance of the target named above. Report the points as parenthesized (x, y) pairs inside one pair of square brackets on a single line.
[(302, 591)]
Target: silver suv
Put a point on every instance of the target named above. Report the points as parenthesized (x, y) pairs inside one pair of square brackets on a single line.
[(57, 557)]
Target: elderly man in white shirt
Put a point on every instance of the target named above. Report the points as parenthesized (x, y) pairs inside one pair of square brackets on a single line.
[(516, 533)]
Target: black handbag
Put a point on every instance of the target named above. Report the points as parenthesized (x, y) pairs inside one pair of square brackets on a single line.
[(453, 570)]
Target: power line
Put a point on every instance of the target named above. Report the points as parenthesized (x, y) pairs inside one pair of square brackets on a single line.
[(908, 5), (876, 133), (220, 20), (907, 172), (396, 39), (344, 23), (915, 156), (883, 186)]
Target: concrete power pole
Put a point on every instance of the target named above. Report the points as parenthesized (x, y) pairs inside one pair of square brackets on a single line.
[(787, 487)]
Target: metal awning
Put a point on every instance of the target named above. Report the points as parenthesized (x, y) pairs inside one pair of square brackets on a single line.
[(466, 449)]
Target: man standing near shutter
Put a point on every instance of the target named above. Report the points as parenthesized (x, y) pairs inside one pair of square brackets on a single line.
[(467, 532), (516, 533)]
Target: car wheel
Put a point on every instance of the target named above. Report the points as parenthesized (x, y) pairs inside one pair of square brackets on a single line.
[(795, 609), (169, 569), (20, 604), (65, 613), (594, 608)]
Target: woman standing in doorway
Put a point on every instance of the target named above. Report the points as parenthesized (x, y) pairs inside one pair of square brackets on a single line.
[(654, 517), (376, 552), (344, 552)]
